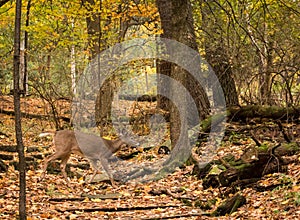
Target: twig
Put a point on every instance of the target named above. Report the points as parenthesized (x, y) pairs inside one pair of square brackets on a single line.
[(285, 136), (255, 139)]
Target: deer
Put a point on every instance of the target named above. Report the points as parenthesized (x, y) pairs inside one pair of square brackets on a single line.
[(94, 148)]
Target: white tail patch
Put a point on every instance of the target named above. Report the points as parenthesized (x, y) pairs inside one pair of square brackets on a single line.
[(45, 134)]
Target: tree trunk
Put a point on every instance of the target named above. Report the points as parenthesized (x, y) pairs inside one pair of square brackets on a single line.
[(22, 80), (93, 27), (265, 79), (264, 53), (220, 64), (73, 70), (163, 67), (104, 98), (26, 48), (18, 127), (177, 24), (216, 56)]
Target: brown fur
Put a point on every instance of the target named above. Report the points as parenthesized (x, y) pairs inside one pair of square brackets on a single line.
[(67, 142)]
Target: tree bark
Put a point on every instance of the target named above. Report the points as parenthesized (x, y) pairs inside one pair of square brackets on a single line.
[(164, 67), (93, 27), (254, 163), (18, 126), (103, 102), (25, 55), (245, 113), (217, 57), (177, 23), (220, 64)]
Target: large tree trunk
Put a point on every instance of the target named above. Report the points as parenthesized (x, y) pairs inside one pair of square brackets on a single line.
[(177, 24), (163, 66)]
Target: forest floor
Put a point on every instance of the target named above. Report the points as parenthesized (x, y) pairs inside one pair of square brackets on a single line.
[(53, 199)]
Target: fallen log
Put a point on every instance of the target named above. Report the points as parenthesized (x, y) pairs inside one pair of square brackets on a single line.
[(256, 111), (230, 205), (253, 164)]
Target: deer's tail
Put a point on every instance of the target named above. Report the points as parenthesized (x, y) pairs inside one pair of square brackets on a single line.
[(47, 133)]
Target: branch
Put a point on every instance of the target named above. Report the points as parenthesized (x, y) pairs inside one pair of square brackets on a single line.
[(3, 2), (114, 209), (285, 135)]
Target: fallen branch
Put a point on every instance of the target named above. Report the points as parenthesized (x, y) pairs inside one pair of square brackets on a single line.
[(230, 205), (253, 111), (84, 196), (115, 209), (29, 115), (174, 216), (168, 192)]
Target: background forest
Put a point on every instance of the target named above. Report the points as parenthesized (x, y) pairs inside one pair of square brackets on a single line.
[(253, 48), (255, 42)]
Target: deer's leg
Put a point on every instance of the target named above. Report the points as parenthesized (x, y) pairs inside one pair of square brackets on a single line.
[(95, 169), (105, 166), (93, 176), (63, 165), (47, 161)]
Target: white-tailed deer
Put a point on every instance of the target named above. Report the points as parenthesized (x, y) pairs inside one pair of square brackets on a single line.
[(94, 148)]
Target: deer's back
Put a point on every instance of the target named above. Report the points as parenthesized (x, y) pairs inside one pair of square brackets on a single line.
[(92, 146), (65, 141)]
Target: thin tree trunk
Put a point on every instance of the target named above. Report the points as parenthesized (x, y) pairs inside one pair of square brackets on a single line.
[(73, 66), (26, 48), (264, 63), (18, 127), (73, 69), (93, 27), (265, 81), (22, 67)]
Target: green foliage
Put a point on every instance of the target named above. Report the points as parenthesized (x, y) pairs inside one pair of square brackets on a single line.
[(6, 46), (138, 78), (243, 31), (58, 26)]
